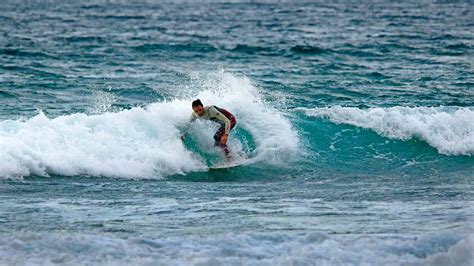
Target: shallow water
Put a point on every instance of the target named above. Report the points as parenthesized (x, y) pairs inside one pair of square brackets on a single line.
[(359, 120)]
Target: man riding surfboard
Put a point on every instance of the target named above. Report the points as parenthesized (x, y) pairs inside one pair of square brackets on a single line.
[(216, 114)]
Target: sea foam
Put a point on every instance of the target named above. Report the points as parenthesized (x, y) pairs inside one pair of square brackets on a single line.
[(238, 249)]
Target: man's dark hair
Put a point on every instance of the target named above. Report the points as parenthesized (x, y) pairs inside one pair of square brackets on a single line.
[(197, 102)]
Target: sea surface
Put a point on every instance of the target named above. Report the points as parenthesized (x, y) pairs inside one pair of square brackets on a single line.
[(358, 118)]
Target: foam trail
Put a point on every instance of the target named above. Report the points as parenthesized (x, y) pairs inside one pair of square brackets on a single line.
[(136, 143), (448, 129)]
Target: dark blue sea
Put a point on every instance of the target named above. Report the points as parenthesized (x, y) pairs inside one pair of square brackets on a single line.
[(357, 118)]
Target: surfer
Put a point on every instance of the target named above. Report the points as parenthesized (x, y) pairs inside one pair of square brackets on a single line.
[(226, 120)]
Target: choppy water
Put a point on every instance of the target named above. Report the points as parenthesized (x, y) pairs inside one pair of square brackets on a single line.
[(359, 118)]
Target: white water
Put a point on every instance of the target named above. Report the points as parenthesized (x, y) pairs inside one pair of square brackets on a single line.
[(449, 130), (246, 249), (140, 142)]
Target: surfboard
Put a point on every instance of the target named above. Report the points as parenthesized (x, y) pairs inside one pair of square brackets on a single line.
[(228, 165), (225, 166)]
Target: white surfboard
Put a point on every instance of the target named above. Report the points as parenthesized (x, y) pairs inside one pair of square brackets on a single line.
[(226, 165)]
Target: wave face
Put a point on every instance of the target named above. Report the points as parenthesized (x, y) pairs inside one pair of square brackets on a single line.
[(141, 142), (448, 129)]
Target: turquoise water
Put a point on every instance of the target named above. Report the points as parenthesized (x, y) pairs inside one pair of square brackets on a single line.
[(358, 117)]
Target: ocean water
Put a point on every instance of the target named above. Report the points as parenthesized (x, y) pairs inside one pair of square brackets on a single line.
[(358, 118)]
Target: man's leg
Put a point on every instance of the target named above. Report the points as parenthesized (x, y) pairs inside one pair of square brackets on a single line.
[(217, 141), (218, 136)]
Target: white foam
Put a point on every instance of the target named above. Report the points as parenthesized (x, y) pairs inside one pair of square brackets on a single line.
[(315, 248), (449, 130), (460, 254), (140, 142)]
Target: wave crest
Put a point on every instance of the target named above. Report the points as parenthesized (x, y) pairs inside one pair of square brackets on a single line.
[(448, 129)]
